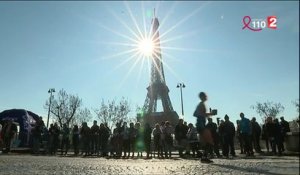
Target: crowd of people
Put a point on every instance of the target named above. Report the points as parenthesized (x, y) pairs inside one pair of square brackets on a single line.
[(204, 140)]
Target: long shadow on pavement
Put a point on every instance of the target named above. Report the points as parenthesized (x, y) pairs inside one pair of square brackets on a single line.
[(244, 169)]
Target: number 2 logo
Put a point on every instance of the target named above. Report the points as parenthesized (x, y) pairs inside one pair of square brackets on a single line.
[(272, 22)]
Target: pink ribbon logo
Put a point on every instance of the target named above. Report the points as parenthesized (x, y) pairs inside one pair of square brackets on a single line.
[(247, 21)]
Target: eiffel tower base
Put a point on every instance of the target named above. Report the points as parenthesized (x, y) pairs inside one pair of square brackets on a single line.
[(158, 117)]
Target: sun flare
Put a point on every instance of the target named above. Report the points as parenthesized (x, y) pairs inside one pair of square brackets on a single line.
[(141, 45), (146, 46)]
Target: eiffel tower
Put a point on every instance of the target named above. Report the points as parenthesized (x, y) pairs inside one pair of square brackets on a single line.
[(158, 90)]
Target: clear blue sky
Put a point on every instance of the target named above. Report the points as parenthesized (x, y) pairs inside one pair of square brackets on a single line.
[(70, 45)]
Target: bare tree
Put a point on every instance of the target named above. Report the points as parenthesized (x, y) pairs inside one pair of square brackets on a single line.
[(123, 108), (268, 109), (64, 107), (296, 103), (113, 112), (83, 115), (103, 113), (297, 119)]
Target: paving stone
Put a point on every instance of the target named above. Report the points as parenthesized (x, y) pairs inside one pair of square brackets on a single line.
[(28, 164)]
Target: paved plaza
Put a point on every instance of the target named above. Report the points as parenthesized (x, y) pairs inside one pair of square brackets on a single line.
[(16, 164)]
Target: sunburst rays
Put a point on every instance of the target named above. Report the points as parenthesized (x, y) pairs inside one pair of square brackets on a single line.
[(136, 31)]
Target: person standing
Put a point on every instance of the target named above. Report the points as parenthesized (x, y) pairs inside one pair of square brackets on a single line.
[(95, 138), (75, 139), (139, 146), (147, 139), (202, 114), (228, 133), (36, 136), (156, 139), (103, 139), (54, 138), (168, 131), (85, 138), (285, 125), (239, 136), (132, 139), (256, 132), (180, 136), (118, 139), (65, 142), (266, 136), (278, 137), (125, 139), (162, 137), (270, 132), (192, 138), (245, 131), (51, 139), (285, 128), (8, 133), (114, 141), (186, 129), (215, 135)]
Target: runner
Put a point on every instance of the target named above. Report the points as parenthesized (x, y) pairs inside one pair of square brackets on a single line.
[(204, 133)]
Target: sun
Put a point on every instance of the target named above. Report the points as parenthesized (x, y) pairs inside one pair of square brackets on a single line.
[(146, 46), (141, 45)]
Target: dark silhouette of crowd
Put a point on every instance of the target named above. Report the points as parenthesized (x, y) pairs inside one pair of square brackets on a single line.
[(161, 141), (204, 140), (125, 140)]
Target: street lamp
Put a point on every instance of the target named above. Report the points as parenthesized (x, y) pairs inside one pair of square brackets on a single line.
[(181, 85), (50, 91)]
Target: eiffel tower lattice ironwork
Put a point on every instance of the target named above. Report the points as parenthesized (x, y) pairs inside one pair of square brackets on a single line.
[(158, 90)]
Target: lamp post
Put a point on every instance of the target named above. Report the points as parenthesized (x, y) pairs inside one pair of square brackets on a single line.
[(181, 85), (50, 91)]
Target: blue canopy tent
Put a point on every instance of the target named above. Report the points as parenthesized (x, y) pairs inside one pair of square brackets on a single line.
[(25, 119)]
